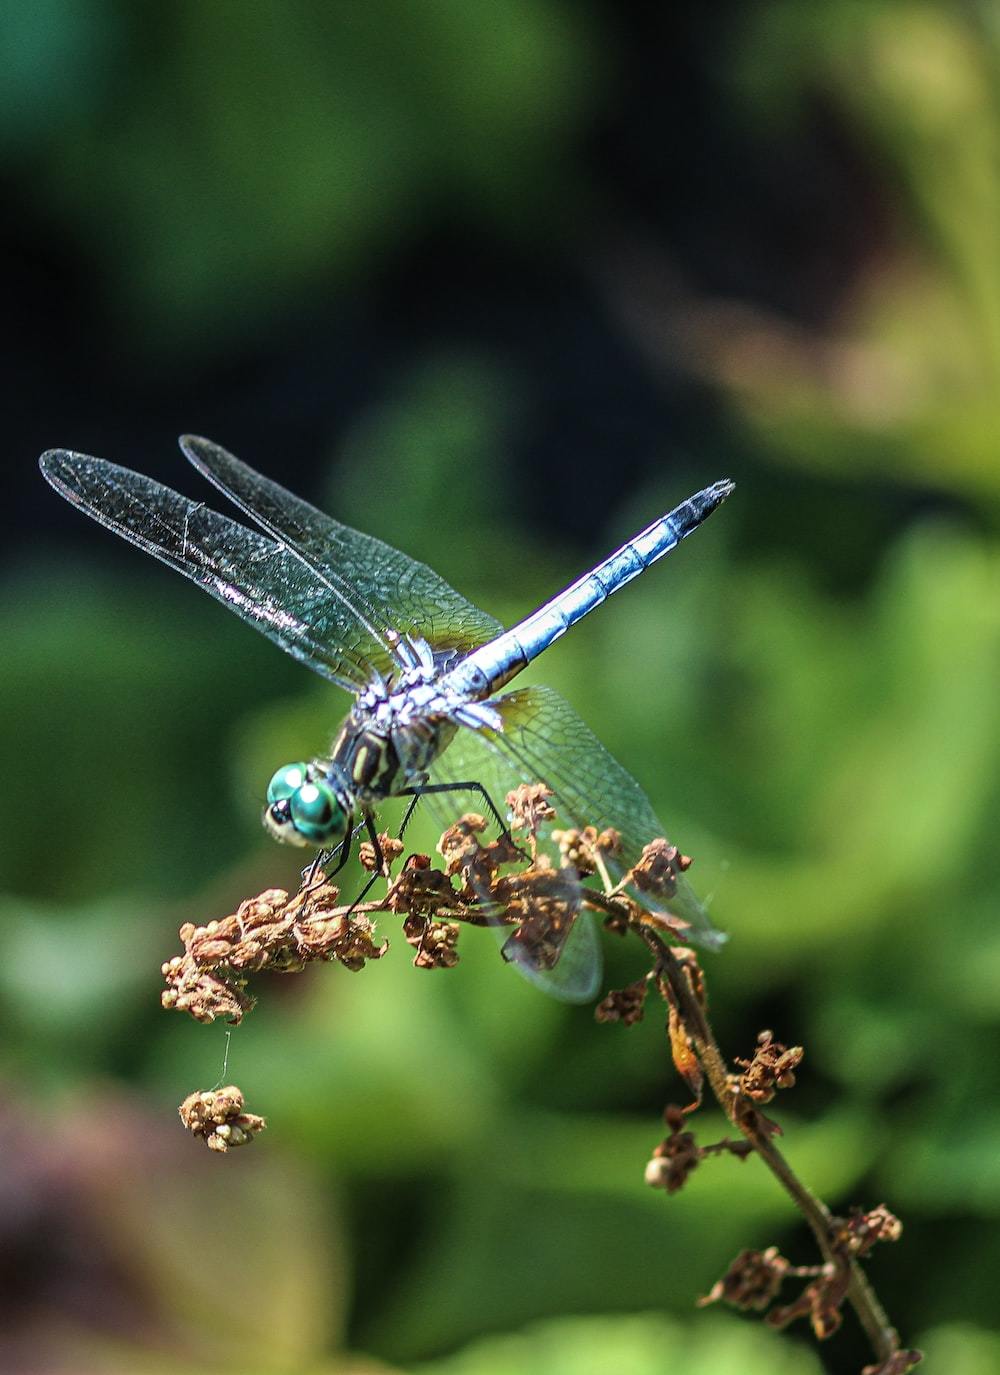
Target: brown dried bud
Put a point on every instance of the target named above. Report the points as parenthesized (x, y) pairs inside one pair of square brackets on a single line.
[(820, 1302), (624, 1004), (530, 807), (544, 903), (752, 1281), (202, 994), (675, 1157), (863, 1230), (478, 864), (348, 940), (434, 942), (583, 849), (391, 848), (420, 890), (576, 849), (658, 868), (218, 1117), (772, 1067), (459, 844)]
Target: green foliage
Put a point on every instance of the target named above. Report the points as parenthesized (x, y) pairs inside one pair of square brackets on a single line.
[(643, 1345), (224, 214), (906, 381)]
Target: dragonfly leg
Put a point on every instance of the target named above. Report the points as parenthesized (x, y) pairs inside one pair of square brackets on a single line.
[(381, 868), (423, 789), (415, 794), (408, 813), (308, 874), (323, 858)]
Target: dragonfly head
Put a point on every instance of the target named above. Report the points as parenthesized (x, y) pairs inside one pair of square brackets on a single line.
[(304, 807)]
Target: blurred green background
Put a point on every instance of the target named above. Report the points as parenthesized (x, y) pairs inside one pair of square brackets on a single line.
[(500, 283)]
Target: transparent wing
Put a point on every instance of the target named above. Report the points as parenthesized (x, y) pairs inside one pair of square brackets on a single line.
[(385, 587), (544, 740), (263, 583), (555, 745), (478, 756)]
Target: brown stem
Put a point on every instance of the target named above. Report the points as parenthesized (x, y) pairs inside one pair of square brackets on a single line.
[(862, 1297)]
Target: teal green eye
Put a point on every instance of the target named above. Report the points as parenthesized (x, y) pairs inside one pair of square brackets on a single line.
[(316, 813), (286, 781)]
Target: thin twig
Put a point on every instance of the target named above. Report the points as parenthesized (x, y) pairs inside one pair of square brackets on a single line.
[(743, 1115)]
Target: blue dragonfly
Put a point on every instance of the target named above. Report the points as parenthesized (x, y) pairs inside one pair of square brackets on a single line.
[(426, 669)]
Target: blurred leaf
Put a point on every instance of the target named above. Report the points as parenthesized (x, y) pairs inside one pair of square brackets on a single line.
[(961, 1349), (552, 1193), (154, 1255), (71, 981), (906, 381), (642, 1345), (57, 58), (952, 1158), (412, 470), (202, 223), (880, 802), (123, 710)]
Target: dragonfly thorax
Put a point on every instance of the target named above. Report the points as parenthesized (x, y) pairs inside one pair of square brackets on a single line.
[(391, 738)]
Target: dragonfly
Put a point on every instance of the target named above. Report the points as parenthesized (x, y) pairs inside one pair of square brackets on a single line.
[(427, 669)]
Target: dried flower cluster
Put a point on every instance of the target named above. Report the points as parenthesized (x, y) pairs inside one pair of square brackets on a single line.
[(625, 1005), (272, 931), (659, 869), (481, 883), (752, 1281), (584, 850), (218, 1117), (755, 1278), (773, 1067), (434, 942), (512, 882), (677, 1155)]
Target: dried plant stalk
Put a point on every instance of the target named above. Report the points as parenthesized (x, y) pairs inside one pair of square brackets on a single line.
[(511, 882)]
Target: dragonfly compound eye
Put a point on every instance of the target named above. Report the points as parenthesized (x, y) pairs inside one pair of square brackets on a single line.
[(278, 820), (285, 782), (317, 814)]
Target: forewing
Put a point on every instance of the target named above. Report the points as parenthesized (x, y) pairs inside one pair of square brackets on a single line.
[(478, 757), (553, 745), (386, 588), (263, 583)]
